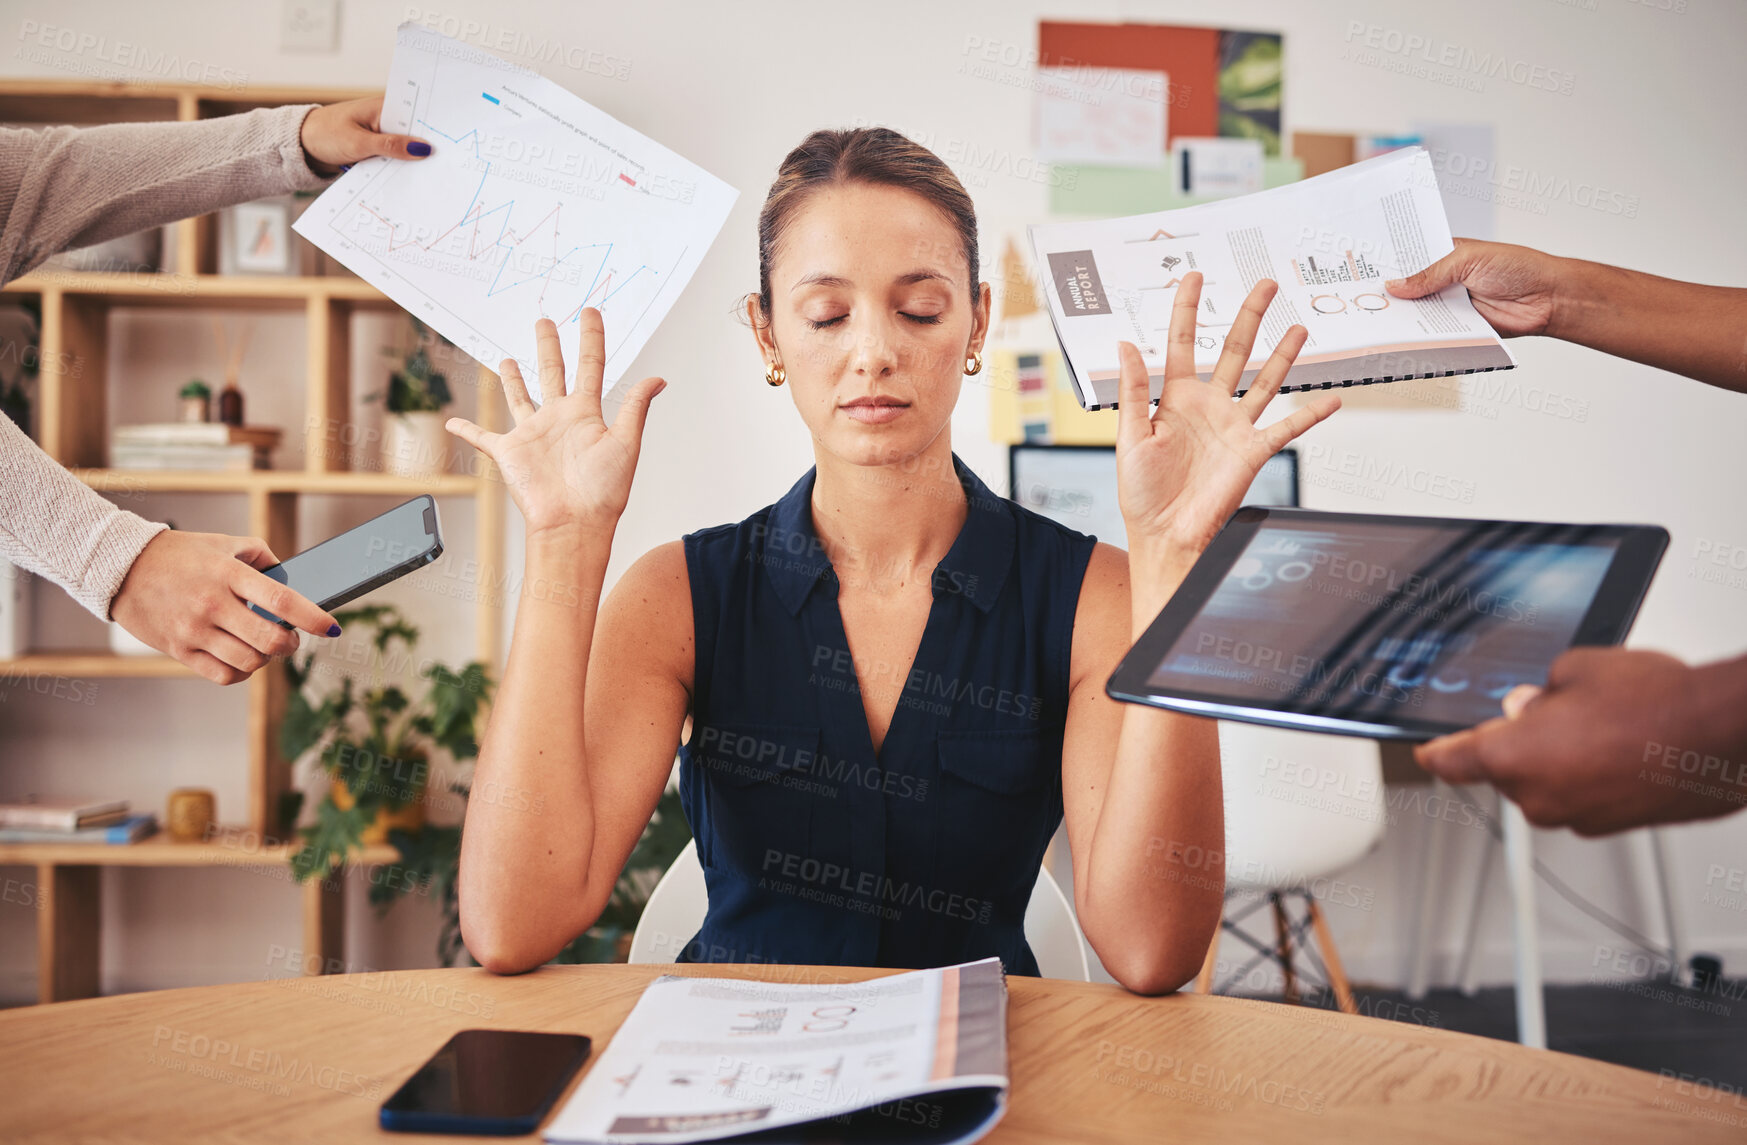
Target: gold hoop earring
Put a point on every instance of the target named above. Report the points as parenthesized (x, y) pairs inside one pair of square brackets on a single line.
[(974, 363), (775, 375)]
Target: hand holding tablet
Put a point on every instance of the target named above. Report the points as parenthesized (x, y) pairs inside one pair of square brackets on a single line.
[(1386, 627), (1617, 738)]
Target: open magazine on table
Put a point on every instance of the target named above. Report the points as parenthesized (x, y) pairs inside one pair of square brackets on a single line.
[(1330, 242), (913, 1057)]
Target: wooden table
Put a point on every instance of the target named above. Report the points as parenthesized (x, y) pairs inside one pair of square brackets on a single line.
[(310, 1059)]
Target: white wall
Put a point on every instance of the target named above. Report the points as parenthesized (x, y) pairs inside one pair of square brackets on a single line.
[(1652, 113)]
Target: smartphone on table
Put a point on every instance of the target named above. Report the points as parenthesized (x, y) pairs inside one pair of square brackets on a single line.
[(488, 1082), (382, 549)]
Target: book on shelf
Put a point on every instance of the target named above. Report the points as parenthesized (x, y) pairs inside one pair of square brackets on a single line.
[(207, 445), (215, 458), (197, 433), (127, 829), (60, 816)]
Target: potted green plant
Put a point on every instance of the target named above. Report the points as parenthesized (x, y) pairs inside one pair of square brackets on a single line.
[(351, 729), (196, 398), (375, 743), (413, 441)]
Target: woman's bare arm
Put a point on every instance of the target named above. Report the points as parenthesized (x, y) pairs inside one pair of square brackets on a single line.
[(1142, 787), (568, 773), (1142, 800), (573, 762)]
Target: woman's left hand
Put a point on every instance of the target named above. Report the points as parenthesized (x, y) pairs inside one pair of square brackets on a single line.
[(1183, 470)]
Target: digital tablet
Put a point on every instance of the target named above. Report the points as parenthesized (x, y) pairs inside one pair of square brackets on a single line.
[(1384, 627)]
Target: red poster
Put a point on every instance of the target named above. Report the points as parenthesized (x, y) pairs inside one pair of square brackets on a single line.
[(1189, 57)]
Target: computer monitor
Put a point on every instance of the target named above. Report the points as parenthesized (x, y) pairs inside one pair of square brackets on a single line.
[(1076, 485)]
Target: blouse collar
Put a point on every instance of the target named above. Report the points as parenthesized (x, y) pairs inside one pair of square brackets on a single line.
[(976, 565)]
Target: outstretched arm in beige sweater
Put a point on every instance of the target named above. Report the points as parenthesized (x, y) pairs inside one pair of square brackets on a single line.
[(66, 187)]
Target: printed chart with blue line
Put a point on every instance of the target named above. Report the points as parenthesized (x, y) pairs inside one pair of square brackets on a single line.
[(533, 204)]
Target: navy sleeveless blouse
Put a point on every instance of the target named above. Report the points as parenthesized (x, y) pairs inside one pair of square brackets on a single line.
[(816, 851)]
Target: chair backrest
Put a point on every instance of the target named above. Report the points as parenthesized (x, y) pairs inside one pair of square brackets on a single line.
[(676, 909), (1299, 806)]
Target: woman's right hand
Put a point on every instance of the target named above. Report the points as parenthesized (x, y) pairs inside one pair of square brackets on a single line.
[(565, 467), (1513, 287)]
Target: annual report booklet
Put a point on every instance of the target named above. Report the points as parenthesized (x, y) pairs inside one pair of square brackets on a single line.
[(914, 1057), (1330, 242)]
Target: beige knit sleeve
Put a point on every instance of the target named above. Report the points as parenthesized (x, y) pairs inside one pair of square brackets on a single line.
[(58, 527), (68, 187), (74, 186)]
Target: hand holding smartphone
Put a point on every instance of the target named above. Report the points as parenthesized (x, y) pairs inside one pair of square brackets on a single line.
[(382, 549)]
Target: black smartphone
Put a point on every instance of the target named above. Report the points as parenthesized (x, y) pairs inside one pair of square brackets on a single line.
[(487, 1082), (344, 568)]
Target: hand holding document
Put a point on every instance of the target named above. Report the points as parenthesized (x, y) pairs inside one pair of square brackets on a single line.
[(533, 204), (920, 1056), (1330, 242)]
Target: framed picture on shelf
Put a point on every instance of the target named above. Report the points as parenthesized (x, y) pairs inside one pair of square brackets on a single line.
[(255, 238)]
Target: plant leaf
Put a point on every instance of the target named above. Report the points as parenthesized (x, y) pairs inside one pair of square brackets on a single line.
[(329, 840)]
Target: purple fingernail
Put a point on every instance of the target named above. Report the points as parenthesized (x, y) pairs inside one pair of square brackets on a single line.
[(333, 630), (418, 147)]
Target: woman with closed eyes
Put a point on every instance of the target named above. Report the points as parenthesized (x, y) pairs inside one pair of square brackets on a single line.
[(895, 678)]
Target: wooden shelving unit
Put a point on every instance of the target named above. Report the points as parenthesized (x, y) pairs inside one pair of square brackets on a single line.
[(228, 848), (94, 664), (71, 428), (277, 481)]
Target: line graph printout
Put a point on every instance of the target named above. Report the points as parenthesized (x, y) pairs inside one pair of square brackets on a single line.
[(532, 204)]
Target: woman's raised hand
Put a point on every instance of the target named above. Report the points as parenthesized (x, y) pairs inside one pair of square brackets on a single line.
[(1183, 470), (565, 467)]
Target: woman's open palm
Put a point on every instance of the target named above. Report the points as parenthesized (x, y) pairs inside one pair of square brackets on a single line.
[(564, 465), (1183, 470)]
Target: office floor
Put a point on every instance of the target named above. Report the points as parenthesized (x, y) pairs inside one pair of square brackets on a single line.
[(1646, 1025)]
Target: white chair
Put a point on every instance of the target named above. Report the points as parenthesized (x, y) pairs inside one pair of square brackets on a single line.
[(1648, 856), (1518, 841), (1299, 809), (677, 905)]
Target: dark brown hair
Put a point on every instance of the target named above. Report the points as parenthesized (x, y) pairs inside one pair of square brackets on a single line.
[(875, 155)]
